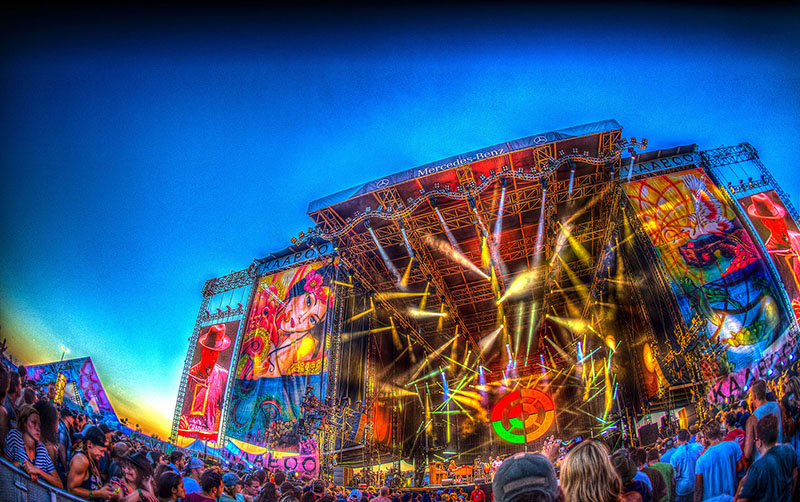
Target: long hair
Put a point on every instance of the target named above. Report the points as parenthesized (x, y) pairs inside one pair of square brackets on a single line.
[(165, 483), (791, 407), (48, 420), (268, 493), (588, 476)]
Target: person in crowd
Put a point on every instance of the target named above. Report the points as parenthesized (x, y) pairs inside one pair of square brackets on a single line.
[(65, 428), (289, 493), (231, 486), (119, 451), (526, 477), (250, 487), (4, 416), (761, 408), (659, 486), (211, 487), (25, 448), (48, 417), (105, 461), (177, 461), (683, 462), (134, 485), (279, 478), (773, 477), (383, 495), (161, 469), (715, 470), (734, 434), (84, 478), (633, 490), (307, 496), (791, 410), (637, 474), (28, 396), (477, 495), (353, 496), (268, 493), (667, 472), (155, 456), (169, 487), (742, 414), (192, 474), (12, 396), (669, 450), (588, 476)]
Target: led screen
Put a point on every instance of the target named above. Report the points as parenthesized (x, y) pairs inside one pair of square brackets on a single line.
[(780, 236), (206, 381)]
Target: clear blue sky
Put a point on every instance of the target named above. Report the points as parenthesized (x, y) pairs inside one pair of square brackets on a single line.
[(144, 154)]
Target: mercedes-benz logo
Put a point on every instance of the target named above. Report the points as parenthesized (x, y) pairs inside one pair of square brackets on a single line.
[(540, 139), (382, 183)]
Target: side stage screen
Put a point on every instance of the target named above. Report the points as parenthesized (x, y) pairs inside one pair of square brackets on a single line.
[(206, 381), (780, 236)]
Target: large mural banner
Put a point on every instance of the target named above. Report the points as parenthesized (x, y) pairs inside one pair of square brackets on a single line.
[(282, 356), (206, 381), (713, 266), (781, 238)]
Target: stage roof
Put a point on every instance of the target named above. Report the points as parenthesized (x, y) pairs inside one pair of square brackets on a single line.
[(465, 158), (454, 204)]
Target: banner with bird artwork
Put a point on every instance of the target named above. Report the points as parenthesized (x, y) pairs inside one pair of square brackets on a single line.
[(721, 283), (283, 358)]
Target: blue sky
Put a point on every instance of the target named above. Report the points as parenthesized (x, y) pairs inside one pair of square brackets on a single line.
[(143, 155)]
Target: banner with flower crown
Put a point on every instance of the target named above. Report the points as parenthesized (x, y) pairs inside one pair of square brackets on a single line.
[(283, 355)]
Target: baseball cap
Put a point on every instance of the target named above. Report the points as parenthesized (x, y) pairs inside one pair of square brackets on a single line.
[(354, 495), (94, 435), (194, 463), (522, 473), (230, 479)]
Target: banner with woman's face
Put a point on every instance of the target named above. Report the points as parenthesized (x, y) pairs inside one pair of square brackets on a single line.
[(283, 352)]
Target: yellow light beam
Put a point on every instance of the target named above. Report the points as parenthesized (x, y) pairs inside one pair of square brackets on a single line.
[(423, 300), (421, 314)]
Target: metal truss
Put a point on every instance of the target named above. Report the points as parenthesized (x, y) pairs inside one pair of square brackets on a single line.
[(231, 281), (425, 261), (187, 364), (744, 152)]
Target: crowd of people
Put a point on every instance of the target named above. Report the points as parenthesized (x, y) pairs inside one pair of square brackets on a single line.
[(746, 454)]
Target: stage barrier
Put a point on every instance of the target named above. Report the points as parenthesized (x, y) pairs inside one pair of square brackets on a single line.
[(16, 486)]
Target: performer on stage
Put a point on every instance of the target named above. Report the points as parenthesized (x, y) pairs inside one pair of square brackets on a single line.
[(451, 468)]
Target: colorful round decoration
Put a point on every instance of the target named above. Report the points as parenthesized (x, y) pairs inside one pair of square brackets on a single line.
[(521, 413)]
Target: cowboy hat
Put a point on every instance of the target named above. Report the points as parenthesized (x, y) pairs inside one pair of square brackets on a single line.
[(764, 208), (215, 338)]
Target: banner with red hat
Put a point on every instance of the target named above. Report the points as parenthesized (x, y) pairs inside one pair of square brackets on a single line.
[(206, 381), (781, 238)]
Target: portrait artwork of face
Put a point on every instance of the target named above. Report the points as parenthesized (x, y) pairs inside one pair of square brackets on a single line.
[(292, 315)]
